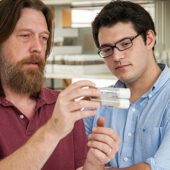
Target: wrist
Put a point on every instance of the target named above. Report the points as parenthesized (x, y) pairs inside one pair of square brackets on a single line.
[(58, 128), (53, 130)]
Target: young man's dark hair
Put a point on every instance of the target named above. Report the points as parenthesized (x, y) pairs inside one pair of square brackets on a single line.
[(123, 11), (10, 11)]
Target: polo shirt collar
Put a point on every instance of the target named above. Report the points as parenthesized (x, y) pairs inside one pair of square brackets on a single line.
[(46, 96)]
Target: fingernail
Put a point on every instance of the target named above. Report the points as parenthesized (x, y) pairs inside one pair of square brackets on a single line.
[(94, 84), (98, 91)]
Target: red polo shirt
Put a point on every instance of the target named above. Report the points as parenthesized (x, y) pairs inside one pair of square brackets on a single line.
[(16, 129)]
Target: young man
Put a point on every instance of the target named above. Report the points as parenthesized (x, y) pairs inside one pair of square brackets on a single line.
[(125, 36), (36, 132)]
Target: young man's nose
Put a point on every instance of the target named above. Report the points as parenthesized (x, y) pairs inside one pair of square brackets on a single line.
[(117, 55)]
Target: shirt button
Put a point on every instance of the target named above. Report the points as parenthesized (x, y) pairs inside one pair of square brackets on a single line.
[(129, 134), (150, 95), (21, 116), (125, 159), (133, 109)]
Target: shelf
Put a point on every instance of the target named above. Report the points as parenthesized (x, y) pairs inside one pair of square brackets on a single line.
[(107, 76), (61, 50)]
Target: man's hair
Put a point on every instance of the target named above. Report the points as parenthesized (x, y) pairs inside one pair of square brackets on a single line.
[(10, 12), (123, 11)]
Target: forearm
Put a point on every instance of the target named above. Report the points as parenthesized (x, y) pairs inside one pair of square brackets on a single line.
[(35, 152), (140, 166)]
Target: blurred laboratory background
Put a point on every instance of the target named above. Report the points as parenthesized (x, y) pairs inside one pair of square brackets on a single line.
[(74, 55)]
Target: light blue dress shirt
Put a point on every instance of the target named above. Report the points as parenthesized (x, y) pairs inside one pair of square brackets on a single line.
[(144, 128)]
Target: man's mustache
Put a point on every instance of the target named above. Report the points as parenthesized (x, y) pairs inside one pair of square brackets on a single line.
[(39, 60)]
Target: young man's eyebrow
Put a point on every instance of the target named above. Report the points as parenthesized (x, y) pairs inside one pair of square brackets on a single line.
[(109, 45), (105, 45)]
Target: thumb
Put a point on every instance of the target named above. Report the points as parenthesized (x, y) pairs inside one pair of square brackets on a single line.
[(100, 122)]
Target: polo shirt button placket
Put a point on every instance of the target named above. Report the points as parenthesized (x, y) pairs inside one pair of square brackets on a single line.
[(21, 116)]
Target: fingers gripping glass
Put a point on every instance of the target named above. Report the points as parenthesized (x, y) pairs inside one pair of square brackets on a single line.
[(121, 45)]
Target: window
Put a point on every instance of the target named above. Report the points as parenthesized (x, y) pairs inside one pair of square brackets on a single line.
[(82, 17)]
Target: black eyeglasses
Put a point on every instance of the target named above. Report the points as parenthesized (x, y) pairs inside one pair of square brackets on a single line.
[(121, 45)]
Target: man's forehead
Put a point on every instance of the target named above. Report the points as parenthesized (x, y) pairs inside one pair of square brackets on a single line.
[(32, 19)]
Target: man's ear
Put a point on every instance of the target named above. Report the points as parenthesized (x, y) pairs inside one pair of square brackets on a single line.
[(150, 39)]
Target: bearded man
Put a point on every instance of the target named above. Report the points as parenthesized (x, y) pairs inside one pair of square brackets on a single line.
[(40, 128)]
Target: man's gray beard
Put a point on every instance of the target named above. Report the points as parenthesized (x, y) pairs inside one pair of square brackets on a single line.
[(29, 81)]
